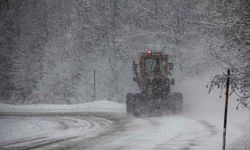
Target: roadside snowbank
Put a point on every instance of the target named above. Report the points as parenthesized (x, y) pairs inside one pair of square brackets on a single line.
[(243, 142), (96, 106)]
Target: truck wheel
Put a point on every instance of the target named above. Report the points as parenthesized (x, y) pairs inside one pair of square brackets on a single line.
[(178, 101), (134, 104), (130, 98), (139, 105)]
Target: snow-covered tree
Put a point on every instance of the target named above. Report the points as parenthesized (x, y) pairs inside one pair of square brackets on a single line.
[(51, 48), (234, 49)]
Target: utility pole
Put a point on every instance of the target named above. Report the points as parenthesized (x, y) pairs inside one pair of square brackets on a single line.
[(94, 87), (225, 112)]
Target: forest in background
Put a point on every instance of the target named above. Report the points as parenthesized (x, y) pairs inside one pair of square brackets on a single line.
[(50, 48)]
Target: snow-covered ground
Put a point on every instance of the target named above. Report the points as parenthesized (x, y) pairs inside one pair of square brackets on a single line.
[(19, 127), (171, 133), (198, 127), (210, 108), (29, 132)]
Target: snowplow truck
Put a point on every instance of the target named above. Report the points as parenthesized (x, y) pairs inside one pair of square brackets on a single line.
[(155, 97)]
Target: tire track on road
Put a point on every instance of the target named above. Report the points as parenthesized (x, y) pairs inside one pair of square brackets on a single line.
[(69, 128), (187, 141)]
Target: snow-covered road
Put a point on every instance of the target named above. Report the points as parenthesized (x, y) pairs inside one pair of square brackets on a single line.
[(20, 132), (169, 132), (33, 126), (106, 127), (104, 131)]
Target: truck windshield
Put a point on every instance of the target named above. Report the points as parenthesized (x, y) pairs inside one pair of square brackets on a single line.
[(155, 65)]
